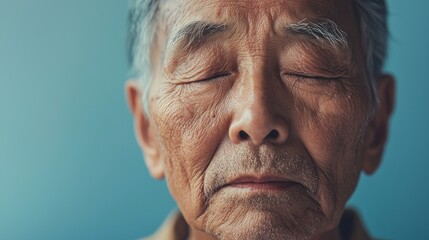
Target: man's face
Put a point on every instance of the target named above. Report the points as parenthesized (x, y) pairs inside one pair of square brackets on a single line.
[(259, 130)]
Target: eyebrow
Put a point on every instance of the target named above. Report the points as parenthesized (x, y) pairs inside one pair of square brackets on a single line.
[(322, 29), (195, 34)]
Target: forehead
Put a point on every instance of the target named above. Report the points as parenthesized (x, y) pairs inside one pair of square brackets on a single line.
[(179, 12), (257, 19)]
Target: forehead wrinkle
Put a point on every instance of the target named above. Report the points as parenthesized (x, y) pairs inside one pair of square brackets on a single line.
[(219, 19)]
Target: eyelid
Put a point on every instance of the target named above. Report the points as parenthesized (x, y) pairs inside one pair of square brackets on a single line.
[(200, 79), (315, 77), (215, 76)]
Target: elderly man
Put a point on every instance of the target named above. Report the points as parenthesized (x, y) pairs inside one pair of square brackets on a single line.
[(260, 114)]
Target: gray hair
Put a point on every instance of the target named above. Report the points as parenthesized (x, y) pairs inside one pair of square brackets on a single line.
[(142, 31), (374, 37)]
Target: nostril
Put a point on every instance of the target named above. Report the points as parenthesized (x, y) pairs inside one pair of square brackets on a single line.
[(243, 135), (274, 134)]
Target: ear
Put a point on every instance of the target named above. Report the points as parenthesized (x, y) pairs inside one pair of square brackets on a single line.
[(379, 127), (144, 131)]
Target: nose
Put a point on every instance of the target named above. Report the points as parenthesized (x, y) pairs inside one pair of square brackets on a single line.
[(257, 120)]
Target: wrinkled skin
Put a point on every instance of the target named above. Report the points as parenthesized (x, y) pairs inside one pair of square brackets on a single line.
[(236, 106)]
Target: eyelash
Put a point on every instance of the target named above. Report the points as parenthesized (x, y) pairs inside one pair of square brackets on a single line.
[(215, 76), (301, 76)]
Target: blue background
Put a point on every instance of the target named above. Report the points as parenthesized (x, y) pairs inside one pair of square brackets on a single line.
[(70, 167)]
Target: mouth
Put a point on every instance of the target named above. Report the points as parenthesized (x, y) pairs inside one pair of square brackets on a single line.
[(261, 183)]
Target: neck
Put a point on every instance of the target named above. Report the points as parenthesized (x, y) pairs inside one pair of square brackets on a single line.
[(199, 235), (333, 234), (329, 235)]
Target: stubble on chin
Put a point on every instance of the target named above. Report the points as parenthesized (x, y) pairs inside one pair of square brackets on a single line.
[(292, 216), (294, 213)]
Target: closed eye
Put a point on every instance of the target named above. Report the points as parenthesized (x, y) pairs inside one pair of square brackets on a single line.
[(215, 77), (312, 77)]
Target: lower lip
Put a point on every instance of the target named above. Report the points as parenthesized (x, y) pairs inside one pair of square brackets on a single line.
[(263, 186)]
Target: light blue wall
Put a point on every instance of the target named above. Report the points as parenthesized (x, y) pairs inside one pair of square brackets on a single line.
[(69, 164), (395, 200)]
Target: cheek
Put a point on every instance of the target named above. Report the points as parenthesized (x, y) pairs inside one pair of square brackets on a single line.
[(190, 130), (331, 122), (331, 130), (191, 123)]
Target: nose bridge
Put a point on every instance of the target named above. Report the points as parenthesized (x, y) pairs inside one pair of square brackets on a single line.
[(257, 92), (256, 118)]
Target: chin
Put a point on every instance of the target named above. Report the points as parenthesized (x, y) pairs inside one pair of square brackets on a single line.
[(257, 225), (291, 214)]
